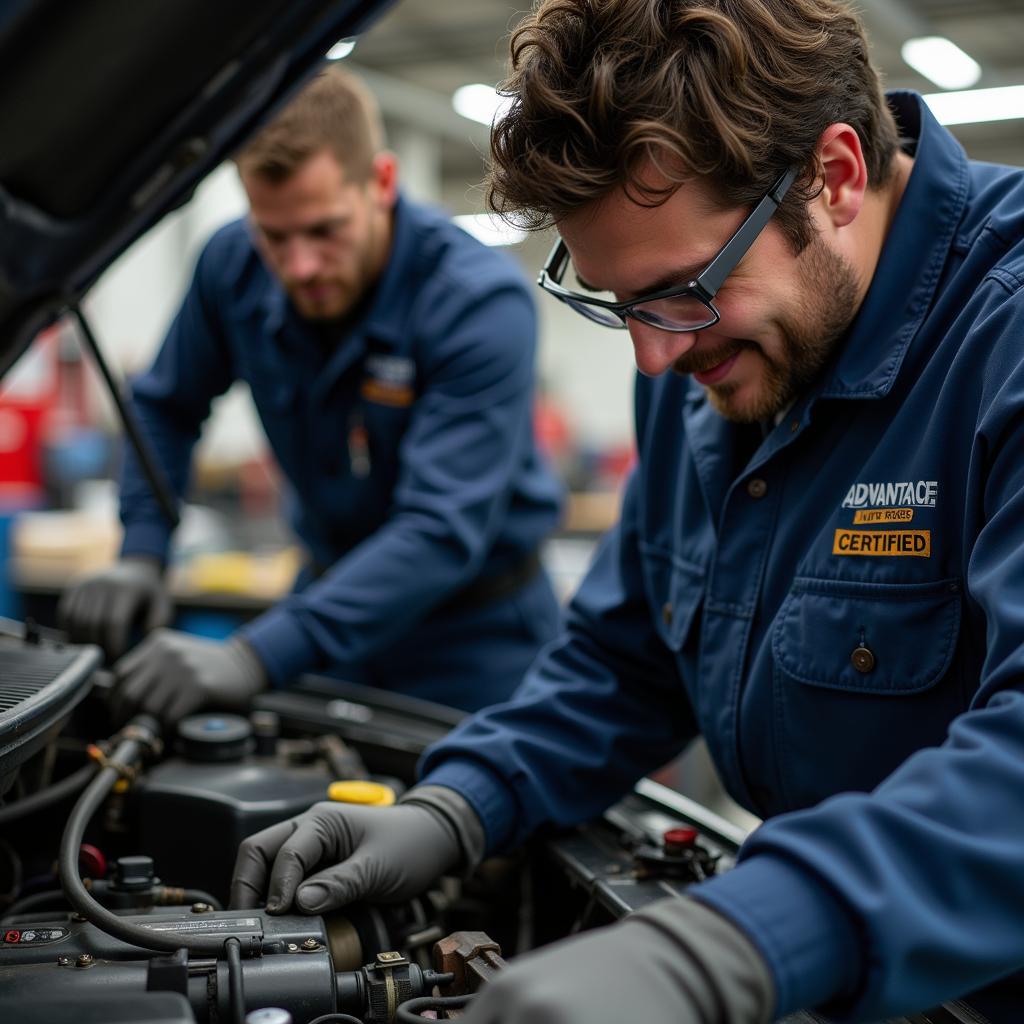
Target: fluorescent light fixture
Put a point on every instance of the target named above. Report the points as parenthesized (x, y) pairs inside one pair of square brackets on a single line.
[(341, 49), (941, 61), (489, 229), (973, 106), (479, 103)]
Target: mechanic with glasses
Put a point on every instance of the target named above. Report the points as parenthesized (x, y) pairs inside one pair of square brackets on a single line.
[(819, 565), (390, 358)]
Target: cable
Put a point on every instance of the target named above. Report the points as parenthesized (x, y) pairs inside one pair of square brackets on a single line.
[(35, 902), (140, 733), (336, 1018), (49, 796), (236, 989), (409, 1011)]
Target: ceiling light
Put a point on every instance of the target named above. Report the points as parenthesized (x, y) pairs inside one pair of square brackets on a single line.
[(341, 49), (479, 103), (941, 61), (489, 229), (972, 106)]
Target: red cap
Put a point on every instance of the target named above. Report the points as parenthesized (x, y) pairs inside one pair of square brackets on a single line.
[(91, 861), (677, 840)]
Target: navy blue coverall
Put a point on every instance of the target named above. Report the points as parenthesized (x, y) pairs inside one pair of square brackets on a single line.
[(409, 452), (839, 610)]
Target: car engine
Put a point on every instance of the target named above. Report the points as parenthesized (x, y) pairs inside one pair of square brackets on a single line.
[(117, 847)]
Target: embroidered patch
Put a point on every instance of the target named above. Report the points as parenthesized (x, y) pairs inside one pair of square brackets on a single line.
[(892, 543), (917, 493), (389, 380), (883, 515)]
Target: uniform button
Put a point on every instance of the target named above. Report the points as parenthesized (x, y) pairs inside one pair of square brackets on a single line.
[(794, 426), (757, 488), (666, 613), (863, 659)]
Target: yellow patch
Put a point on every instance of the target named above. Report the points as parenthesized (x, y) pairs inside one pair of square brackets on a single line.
[(892, 543), (883, 515), (385, 393)]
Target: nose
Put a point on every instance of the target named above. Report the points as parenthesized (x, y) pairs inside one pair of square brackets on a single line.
[(300, 260), (656, 350)]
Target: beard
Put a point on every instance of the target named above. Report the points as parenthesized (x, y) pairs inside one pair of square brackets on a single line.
[(810, 335)]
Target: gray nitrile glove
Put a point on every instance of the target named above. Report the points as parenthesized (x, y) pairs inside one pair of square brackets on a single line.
[(172, 674), (675, 961), (382, 854), (103, 608)]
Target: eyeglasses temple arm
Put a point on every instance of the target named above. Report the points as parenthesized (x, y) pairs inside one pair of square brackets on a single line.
[(722, 266)]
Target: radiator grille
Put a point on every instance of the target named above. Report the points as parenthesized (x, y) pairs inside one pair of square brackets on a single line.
[(26, 670)]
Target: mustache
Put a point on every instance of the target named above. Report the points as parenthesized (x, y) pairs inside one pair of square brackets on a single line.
[(701, 360)]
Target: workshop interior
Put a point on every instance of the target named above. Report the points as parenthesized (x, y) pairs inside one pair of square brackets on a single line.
[(117, 841)]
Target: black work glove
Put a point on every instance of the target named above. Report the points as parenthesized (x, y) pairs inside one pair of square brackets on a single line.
[(172, 674), (105, 607), (676, 960), (381, 854)]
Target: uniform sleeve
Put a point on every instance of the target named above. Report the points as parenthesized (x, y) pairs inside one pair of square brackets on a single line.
[(170, 402), (910, 895), (469, 434), (599, 709)]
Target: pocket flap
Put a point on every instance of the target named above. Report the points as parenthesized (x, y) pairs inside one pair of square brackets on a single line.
[(908, 632)]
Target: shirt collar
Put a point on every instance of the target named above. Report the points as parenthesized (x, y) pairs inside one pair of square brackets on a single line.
[(915, 251)]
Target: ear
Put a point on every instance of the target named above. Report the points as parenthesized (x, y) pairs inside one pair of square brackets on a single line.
[(844, 173), (384, 178)]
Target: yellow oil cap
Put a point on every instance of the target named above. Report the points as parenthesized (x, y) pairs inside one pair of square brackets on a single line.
[(357, 791)]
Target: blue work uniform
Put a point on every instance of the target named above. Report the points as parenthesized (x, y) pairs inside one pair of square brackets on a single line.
[(838, 608), (414, 478)]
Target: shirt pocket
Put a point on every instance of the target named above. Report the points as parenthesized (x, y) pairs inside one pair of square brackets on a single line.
[(675, 588), (863, 676), (868, 637)]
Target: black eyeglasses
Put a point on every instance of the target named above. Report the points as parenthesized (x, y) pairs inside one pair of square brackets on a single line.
[(687, 307)]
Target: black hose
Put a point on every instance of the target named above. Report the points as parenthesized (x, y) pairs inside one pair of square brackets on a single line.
[(49, 796), (336, 1018), (142, 730), (236, 989), (409, 1011), (34, 902)]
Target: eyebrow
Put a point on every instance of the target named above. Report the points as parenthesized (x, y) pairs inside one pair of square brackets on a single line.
[(680, 277)]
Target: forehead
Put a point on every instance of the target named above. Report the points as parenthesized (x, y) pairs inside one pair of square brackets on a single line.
[(318, 188), (624, 245)]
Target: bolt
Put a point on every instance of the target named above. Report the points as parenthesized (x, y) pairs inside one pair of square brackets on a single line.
[(76, 916), (64, 961), (201, 908), (310, 944), (292, 947), (85, 960)]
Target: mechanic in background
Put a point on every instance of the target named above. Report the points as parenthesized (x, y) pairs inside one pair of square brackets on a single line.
[(391, 359), (820, 560)]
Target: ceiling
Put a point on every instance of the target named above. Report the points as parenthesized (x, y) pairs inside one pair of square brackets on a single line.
[(437, 47)]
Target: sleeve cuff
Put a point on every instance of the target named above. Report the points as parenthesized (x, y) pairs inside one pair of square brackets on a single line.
[(280, 645), (808, 941), (151, 539), (490, 798)]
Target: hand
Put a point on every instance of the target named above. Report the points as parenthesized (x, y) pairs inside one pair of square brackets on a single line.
[(105, 607), (676, 960), (172, 674), (382, 854)]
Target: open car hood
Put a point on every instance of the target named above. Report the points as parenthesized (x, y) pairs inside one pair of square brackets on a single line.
[(113, 112)]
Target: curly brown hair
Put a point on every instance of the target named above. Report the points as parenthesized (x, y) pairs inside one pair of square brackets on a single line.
[(731, 91)]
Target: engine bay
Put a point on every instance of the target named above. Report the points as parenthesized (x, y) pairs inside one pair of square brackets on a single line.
[(117, 848)]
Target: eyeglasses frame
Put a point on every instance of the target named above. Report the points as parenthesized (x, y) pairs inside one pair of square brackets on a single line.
[(704, 286)]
